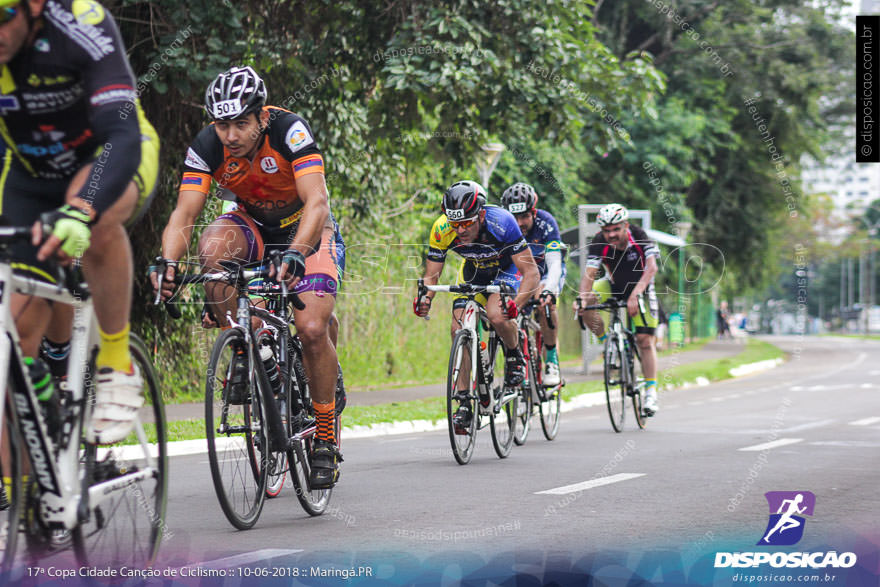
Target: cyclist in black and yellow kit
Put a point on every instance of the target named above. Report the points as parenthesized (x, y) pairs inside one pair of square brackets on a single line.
[(494, 252), (629, 258), (269, 159), (78, 159)]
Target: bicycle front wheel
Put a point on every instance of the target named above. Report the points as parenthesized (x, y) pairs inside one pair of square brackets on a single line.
[(462, 406), (236, 431), (11, 496), (615, 382), (503, 417), (550, 412), (528, 392), (128, 485)]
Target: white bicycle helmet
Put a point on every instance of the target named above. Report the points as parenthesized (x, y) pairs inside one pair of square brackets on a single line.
[(234, 93), (611, 214)]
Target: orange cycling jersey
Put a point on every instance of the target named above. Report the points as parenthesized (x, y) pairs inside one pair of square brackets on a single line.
[(265, 186)]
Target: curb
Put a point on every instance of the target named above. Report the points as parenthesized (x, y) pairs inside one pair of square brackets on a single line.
[(586, 400)]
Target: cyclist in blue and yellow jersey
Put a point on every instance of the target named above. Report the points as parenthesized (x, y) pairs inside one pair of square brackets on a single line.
[(494, 252), (541, 232), (269, 158), (82, 159), (629, 257)]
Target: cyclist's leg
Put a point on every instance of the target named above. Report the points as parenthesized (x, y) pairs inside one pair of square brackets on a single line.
[(601, 293), (645, 324), (317, 289), (507, 330), (233, 236)]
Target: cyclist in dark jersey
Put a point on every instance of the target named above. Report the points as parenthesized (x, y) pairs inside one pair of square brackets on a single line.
[(494, 252), (269, 159), (629, 258), (541, 232), (76, 158)]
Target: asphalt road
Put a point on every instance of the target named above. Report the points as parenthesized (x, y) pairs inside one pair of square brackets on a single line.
[(691, 484)]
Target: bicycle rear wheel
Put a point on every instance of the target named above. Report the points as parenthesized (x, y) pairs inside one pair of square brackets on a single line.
[(129, 485), (615, 382), (528, 391), (503, 417), (637, 387), (464, 404), (236, 433), (11, 490), (313, 501)]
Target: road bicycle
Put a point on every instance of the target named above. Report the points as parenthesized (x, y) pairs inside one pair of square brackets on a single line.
[(480, 364), (618, 358), (533, 393), (107, 501), (257, 432)]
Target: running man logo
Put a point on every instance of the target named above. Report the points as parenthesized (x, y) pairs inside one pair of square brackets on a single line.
[(786, 526)]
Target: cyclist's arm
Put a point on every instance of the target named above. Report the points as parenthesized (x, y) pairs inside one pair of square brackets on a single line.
[(531, 280), (647, 276), (178, 231), (554, 271), (587, 281), (316, 210), (433, 269)]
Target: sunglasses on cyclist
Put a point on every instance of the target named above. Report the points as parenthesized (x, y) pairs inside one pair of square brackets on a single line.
[(462, 223), (7, 13)]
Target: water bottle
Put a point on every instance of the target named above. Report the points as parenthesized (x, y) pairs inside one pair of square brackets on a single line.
[(273, 371), (50, 407)]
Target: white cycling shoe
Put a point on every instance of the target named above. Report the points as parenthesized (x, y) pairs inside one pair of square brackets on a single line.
[(119, 397), (551, 375), (650, 406)]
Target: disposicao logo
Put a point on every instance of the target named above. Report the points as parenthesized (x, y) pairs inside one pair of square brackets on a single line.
[(785, 528)]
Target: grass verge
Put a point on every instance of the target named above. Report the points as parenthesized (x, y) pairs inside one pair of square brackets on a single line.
[(435, 408)]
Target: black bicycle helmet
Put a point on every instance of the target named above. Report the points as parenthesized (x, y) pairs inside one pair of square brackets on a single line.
[(235, 93), (463, 199), (519, 198)]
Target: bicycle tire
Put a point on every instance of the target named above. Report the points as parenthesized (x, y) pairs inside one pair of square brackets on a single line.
[(462, 444), (235, 453), (615, 382), (313, 501), (502, 422), (528, 392), (12, 497), (109, 537), (637, 391)]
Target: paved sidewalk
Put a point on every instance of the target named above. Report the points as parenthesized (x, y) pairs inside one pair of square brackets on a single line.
[(718, 349)]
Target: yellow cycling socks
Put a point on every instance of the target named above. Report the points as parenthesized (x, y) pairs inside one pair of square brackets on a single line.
[(650, 383), (325, 414), (114, 351)]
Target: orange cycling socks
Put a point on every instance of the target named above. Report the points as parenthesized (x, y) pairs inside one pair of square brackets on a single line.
[(325, 414)]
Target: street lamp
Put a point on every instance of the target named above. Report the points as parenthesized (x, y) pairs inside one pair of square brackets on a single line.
[(487, 160)]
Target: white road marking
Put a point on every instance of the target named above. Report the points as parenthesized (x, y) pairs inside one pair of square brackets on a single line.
[(590, 484), (865, 421), (772, 444), (243, 559)]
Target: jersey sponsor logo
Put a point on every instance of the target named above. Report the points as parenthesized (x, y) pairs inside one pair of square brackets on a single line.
[(42, 102), (269, 165), (36, 80), (90, 38), (227, 108), (56, 147), (110, 94), (632, 256), (193, 160), (88, 12), (42, 45), (8, 104), (298, 136)]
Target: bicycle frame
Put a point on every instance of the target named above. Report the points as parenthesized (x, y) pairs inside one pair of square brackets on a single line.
[(62, 500)]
